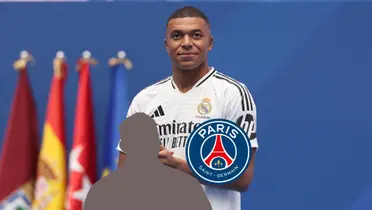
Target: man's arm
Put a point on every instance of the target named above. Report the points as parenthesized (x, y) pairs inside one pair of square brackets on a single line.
[(241, 184), (121, 160)]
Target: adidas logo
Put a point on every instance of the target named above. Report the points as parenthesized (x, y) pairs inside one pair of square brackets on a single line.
[(158, 112)]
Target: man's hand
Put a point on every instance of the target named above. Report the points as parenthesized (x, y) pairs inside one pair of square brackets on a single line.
[(167, 157)]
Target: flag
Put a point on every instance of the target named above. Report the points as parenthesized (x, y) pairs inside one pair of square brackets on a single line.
[(82, 160), (118, 107), (18, 162), (51, 176)]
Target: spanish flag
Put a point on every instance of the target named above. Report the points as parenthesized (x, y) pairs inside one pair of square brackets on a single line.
[(20, 150), (51, 173)]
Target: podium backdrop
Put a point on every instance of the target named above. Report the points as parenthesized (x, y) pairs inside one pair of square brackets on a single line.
[(308, 66)]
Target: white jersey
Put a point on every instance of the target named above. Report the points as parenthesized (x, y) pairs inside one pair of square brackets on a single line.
[(176, 114)]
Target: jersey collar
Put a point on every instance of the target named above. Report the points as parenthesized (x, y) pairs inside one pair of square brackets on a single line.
[(200, 81)]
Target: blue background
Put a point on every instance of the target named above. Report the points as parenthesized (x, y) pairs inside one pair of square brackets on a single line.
[(308, 66)]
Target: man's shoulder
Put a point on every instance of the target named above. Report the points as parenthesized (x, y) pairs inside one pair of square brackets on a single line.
[(153, 89), (228, 84)]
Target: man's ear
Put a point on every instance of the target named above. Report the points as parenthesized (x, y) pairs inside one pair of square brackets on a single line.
[(165, 45), (211, 42)]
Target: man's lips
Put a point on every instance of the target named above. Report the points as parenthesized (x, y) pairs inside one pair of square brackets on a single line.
[(187, 54)]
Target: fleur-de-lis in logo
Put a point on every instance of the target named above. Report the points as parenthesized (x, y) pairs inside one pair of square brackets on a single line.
[(218, 163)]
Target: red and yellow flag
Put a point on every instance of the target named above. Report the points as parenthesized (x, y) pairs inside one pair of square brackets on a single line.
[(20, 150), (51, 174), (82, 161)]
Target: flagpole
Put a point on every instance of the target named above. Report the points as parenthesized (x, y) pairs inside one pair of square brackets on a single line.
[(24, 58), (121, 58), (58, 63), (87, 57)]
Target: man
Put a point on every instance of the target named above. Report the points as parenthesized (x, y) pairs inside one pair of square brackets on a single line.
[(193, 94)]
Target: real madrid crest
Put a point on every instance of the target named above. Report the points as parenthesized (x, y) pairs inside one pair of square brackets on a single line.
[(205, 107)]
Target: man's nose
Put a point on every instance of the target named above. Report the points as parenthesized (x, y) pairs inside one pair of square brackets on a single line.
[(187, 42)]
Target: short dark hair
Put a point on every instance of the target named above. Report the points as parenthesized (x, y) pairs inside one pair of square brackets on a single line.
[(188, 11)]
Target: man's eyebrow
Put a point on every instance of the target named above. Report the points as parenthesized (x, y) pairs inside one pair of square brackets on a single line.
[(197, 30), (192, 31)]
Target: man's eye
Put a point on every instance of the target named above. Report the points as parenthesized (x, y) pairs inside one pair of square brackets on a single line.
[(197, 35), (175, 36)]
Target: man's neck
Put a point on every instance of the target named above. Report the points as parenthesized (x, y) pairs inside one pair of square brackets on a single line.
[(186, 79)]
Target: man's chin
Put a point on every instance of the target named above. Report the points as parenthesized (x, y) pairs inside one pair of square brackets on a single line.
[(188, 66)]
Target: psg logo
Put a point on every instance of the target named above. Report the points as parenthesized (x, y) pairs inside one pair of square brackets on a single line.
[(218, 151)]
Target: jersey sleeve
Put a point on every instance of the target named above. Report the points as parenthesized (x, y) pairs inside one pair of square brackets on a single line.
[(133, 108), (241, 109)]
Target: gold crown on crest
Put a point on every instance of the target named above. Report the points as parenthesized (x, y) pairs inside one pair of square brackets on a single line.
[(206, 100)]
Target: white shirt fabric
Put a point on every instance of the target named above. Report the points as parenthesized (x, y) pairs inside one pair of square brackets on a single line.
[(177, 114)]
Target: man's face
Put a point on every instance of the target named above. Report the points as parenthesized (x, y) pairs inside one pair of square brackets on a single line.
[(188, 41)]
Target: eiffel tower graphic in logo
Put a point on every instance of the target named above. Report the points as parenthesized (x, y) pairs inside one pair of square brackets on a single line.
[(219, 154)]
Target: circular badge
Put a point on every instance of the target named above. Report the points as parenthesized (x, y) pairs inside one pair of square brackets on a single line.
[(218, 151)]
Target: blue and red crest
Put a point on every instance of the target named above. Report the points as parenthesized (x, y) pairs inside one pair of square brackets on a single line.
[(218, 151)]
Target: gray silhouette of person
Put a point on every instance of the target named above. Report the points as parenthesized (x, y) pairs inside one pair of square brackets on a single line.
[(144, 183)]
